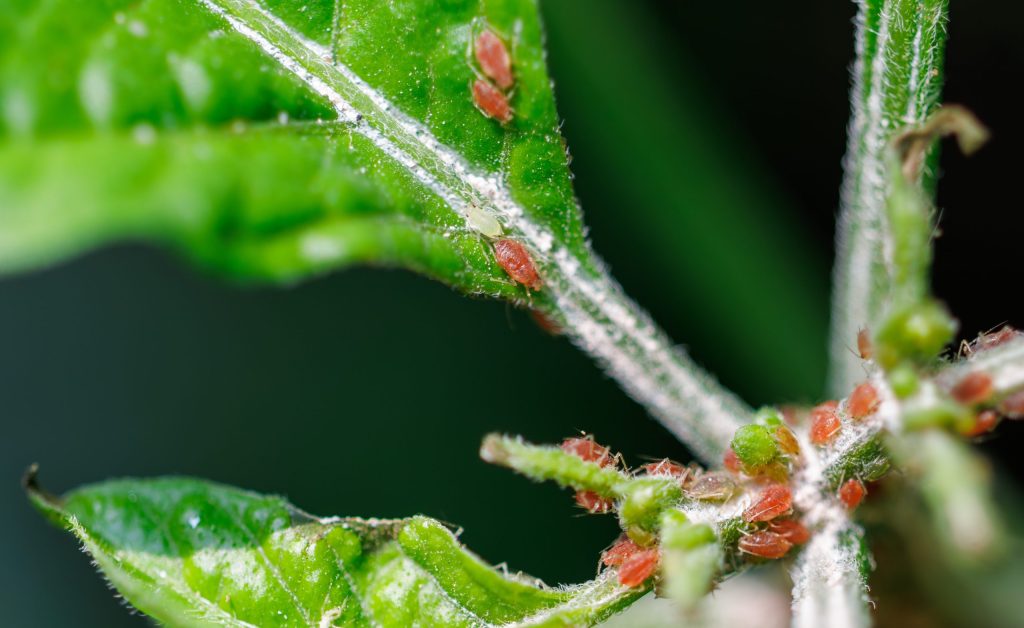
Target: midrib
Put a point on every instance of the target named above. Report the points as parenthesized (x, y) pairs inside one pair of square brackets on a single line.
[(598, 316)]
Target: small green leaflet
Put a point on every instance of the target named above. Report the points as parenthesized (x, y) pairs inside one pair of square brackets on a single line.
[(193, 553)]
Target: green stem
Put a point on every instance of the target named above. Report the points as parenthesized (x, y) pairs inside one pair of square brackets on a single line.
[(897, 82)]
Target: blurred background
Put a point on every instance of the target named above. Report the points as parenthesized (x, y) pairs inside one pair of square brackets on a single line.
[(707, 145)]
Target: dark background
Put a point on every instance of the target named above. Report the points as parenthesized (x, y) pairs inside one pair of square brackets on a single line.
[(367, 393)]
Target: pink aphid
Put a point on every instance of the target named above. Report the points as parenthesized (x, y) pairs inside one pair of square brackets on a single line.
[(774, 501), (864, 347), (863, 401), (984, 422), (791, 530), (666, 467), (731, 461), (494, 60), (638, 568), (516, 261), (586, 449), (765, 544), (593, 503), (619, 552), (852, 492), (972, 389), (984, 342), (491, 101), (825, 424)]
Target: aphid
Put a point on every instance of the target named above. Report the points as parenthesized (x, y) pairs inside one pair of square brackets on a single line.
[(984, 342), (852, 492), (731, 461), (985, 422), (786, 440), (712, 487), (791, 530), (864, 346), (774, 501), (483, 222), (516, 260), (593, 503), (493, 57), (765, 544), (491, 101), (545, 323), (639, 567), (1013, 406), (585, 448), (825, 424), (972, 389), (667, 467), (863, 401), (619, 552)]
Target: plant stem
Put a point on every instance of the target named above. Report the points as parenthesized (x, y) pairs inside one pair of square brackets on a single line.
[(578, 291), (897, 82), (830, 579)]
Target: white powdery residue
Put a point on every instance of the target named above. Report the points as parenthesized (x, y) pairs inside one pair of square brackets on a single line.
[(319, 248)]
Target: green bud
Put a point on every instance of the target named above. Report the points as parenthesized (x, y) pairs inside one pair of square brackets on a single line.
[(903, 380), (754, 446), (645, 499), (917, 333), (691, 558)]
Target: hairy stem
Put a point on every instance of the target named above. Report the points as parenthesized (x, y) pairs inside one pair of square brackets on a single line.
[(579, 293), (897, 82), (830, 579)]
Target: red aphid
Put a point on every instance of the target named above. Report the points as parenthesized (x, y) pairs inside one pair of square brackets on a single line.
[(985, 422), (864, 346), (639, 567), (774, 501), (852, 492), (731, 461), (666, 467), (494, 60), (863, 401), (765, 544), (584, 447), (825, 423), (516, 260), (985, 342), (618, 553), (1013, 406), (491, 101), (973, 388), (791, 530), (593, 503)]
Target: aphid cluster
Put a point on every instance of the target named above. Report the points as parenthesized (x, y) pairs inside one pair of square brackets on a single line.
[(768, 526), (491, 89)]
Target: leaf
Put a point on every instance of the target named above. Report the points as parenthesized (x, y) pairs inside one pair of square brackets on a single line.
[(193, 553), (273, 140)]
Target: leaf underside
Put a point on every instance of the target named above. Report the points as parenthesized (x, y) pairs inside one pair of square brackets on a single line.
[(193, 553), (296, 147)]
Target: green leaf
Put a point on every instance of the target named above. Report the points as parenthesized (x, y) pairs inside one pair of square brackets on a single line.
[(193, 553), (271, 140)]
